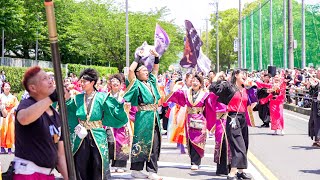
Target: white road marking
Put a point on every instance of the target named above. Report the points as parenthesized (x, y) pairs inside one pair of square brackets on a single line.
[(174, 145), (297, 117)]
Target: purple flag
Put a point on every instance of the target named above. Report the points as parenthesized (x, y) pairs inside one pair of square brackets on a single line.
[(191, 47), (146, 57), (161, 40)]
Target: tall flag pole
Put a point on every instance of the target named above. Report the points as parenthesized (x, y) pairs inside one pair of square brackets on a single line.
[(53, 37)]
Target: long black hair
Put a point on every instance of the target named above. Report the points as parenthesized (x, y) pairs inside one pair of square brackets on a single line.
[(234, 73)]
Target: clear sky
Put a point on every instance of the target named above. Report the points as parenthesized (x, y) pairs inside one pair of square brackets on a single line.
[(194, 10)]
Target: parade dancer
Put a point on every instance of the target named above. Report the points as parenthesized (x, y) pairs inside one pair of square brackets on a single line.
[(236, 97), (222, 153), (142, 92), (87, 114), (118, 138), (314, 120), (275, 101), (263, 106), (178, 115), (278, 92), (201, 116), (10, 103)]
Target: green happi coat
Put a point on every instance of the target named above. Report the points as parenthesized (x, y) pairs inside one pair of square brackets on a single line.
[(104, 108), (144, 120)]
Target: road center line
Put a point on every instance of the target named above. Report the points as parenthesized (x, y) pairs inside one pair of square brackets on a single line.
[(261, 167)]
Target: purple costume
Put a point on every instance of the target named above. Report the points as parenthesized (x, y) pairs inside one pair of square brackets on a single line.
[(201, 111)]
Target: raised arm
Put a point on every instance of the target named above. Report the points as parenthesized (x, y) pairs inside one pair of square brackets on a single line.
[(155, 69), (133, 66)]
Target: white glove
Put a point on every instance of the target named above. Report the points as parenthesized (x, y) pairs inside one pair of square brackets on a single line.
[(233, 123), (2, 106)]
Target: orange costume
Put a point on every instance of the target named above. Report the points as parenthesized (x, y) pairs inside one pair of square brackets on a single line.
[(7, 125)]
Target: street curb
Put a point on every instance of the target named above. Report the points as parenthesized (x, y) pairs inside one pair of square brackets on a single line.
[(305, 111)]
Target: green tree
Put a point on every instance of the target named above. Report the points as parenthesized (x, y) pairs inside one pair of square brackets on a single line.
[(228, 31), (11, 13), (89, 31)]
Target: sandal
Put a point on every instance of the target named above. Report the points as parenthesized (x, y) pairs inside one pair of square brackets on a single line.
[(3, 151), (316, 144)]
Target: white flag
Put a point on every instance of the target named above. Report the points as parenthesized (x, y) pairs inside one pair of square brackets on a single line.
[(204, 63)]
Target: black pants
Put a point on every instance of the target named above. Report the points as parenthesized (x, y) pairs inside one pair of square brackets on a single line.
[(194, 156), (223, 167), (238, 140), (115, 163), (264, 113), (289, 100), (152, 165), (88, 161), (164, 118)]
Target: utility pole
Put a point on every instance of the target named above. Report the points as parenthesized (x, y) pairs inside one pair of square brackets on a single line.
[(303, 64), (217, 38), (285, 65), (37, 43), (252, 51), (207, 37), (260, 37), (271, 35), (127, 35), (239, 37), (244, 42), (2, 54), (290, 34)]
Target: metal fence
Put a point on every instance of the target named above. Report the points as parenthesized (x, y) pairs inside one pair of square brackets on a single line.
[(265, 35), (18, 62), (298, 96)]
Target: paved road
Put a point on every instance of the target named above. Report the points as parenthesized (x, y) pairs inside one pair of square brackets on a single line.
[(175, 166), (271, 157), (290, 156)]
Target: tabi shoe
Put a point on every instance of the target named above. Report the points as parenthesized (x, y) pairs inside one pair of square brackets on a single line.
[(194, 167), (243, 175), (154, 176), (113, 169), (275, 132), (265, 125), (164, 132), (3, 151), (232, 177), (120, 170), (182, 150), (138, 174), (10, 151), (316, 144)]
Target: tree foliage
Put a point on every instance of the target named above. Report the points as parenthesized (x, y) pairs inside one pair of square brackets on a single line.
[(228, 31), (89, 31)]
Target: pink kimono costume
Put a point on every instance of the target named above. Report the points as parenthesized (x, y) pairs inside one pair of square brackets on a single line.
[(276, 108), (200, 116), (275, 105)]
